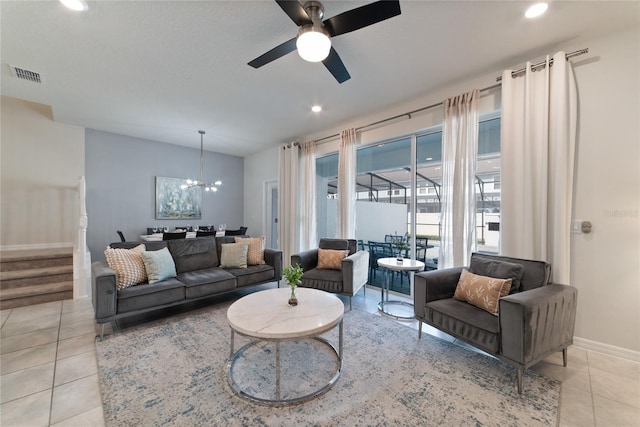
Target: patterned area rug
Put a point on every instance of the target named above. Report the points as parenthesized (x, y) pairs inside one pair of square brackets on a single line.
[(173, 372)]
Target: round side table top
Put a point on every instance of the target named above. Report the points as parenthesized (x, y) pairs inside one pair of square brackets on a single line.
[(406, 264)]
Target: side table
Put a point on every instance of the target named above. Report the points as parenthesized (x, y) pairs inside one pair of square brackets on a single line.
[(390, 265)]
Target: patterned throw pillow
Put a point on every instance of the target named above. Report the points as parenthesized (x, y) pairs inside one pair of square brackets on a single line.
[(255, 254), (234, 255), (128, 265), (481, 291), (331, 259), (159, 265)]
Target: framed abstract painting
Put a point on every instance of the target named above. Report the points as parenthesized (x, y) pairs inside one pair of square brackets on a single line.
[(175, 202)]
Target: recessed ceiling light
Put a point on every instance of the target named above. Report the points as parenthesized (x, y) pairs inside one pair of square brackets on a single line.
[(78, 5), (316, 108), (536, 10)]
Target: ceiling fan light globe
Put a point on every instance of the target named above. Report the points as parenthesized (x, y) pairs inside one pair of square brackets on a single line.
[(313, 44)]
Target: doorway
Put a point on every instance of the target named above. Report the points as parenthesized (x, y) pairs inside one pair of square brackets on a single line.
[(271, 214)]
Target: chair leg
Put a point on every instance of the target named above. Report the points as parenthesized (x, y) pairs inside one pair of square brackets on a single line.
[(350, 304), (419, 329), (564, 357), (519, 379), (102, 331)]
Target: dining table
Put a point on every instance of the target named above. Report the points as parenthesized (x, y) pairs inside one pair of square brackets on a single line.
[(157, 237)]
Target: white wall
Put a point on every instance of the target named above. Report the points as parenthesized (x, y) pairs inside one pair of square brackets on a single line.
[(259, 169), (605, 265), (41, 162)]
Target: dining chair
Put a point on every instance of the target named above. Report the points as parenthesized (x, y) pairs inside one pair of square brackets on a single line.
[(204, 233), (174, 235), (239, 232), (122, 239)]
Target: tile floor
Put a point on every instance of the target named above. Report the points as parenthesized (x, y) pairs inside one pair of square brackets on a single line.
[(49, 372)]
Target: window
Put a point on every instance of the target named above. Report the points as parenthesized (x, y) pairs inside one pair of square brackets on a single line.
[(384, 192)]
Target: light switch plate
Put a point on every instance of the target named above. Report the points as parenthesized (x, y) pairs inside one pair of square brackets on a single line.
[(576, 226)]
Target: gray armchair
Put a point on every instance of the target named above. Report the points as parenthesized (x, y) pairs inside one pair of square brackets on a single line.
[(534, 321), (348, 281)]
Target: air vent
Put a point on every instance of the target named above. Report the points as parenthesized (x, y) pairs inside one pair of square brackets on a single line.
[(24, 74)]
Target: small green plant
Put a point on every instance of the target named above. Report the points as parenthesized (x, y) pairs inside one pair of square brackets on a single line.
[(292, 274)]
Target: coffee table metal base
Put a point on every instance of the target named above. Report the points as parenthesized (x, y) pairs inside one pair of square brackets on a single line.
[(278, 400)]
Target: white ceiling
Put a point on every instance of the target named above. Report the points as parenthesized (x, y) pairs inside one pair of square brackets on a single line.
[(161, 70)]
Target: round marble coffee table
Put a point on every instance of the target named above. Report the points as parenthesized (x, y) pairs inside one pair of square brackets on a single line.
[(267, 316), (393, 264)]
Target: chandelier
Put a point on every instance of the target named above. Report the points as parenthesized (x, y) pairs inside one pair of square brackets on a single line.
[(213, 186)]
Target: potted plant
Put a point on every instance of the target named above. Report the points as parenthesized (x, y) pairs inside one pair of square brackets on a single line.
[(401, 243), (292, 275)]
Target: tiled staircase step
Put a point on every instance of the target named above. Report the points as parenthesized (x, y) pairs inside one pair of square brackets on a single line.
[(35, 276)]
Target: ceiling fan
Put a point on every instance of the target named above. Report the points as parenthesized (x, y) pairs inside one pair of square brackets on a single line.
[(312, 41)]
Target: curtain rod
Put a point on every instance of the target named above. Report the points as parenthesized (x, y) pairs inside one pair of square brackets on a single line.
[(409, 113), (544, 63)]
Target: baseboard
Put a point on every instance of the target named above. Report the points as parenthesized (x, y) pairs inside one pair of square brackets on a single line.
[(611, 350), (36, 246)]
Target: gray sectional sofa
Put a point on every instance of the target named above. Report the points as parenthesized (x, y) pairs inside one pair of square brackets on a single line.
[(199, 276), (535, 320)]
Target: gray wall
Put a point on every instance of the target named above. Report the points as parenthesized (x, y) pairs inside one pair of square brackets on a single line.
[(120, 174)]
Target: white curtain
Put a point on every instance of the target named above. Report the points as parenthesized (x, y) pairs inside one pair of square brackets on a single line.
[(308, 232), (346, 227), (459, 149), (288, 201), (538, 138)]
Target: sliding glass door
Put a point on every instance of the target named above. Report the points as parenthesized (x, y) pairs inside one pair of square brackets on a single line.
[(386, 183)]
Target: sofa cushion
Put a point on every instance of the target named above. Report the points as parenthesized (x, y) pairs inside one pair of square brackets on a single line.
[(149, 246), (193, 254), (128, 265), (208, 281), (498, 269), (146, 296), (339, 244), (465, 321), (255, 255), (326, 280), (536, 273), (331, 259), (481, 291), (234, 255), (253, 274)]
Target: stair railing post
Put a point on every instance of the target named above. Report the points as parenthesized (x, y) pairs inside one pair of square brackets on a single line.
[(81, 255)]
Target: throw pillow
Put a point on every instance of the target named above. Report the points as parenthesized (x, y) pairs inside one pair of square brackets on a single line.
[(159, 265), (481, 291), (331, 259), (498, 269), (128, 265), (255, 255), (234, 255)]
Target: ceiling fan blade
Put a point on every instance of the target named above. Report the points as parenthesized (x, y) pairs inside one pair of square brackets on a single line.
[(336, 67), (295, 11), (275, 53), (361, 17)]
